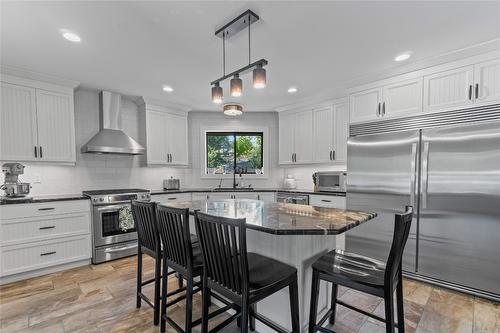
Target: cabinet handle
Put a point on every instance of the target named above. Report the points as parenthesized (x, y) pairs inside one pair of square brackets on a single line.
[(470, 92), (41, 152), (171, 198), (49, 227), (477, 90), (330, 155), (46, 208), (383, 109), (47, 253), (333, 155), (324, 200), (36, 154), (258, 196), (378, 110)]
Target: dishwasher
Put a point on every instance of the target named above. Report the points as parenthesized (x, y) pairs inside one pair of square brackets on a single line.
[(300, 199)]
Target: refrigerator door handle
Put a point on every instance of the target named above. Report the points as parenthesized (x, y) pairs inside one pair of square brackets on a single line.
[(413, 174), (425, 174)]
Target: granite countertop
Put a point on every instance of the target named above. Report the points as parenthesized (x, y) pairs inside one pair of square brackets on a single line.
[(301, 191), (281, 218), (43, 198)]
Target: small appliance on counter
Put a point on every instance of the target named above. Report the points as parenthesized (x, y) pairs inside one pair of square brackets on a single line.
[(330, 181), (13, 188), (171, 184), (289, 182)]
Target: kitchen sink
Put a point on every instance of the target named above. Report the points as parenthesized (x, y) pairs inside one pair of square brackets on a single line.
[(231, 189)]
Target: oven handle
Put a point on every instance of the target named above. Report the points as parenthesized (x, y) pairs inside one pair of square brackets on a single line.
[(112, 250), (110, 208)]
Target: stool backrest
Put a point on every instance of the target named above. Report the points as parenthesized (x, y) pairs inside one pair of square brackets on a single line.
[(402, 225), (144, 214), (224, 250), (173, 225)]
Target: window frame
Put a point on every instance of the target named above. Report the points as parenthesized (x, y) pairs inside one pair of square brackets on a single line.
[(238, 130)]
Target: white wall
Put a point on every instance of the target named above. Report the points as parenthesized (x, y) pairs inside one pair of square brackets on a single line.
[(94, 171), (199, 120)]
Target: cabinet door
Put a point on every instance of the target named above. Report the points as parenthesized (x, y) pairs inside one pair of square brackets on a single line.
[(448, 89), (156, 133), (178, 139), (56, 126), (286, 138), (365, 105), (402, 98), (18, 131), (340, 132), (487, 81), (303, 137), (323, 131)]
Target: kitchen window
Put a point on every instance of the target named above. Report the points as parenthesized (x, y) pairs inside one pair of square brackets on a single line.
[(227, 151)]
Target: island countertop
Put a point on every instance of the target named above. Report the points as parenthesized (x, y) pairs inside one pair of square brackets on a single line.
[(281, 218)]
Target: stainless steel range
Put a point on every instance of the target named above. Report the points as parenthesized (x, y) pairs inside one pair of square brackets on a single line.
[(113, 230)]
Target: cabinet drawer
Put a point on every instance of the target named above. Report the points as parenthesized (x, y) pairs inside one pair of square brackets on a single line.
[(328, 201), (166, 198), (17, 259), (43, 209), (39, 228)]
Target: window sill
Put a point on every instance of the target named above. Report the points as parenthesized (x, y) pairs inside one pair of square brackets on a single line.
[(230, 176)]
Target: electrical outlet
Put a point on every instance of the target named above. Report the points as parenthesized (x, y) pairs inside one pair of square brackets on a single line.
[(36, 178)]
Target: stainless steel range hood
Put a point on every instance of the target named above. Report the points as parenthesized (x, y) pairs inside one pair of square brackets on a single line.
[(111, 139)]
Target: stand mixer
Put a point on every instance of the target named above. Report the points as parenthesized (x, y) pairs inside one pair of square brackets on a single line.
[(14, 189)]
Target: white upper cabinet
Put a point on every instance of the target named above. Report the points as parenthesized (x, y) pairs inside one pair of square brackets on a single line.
[(448, 89), (56, 126), (402, 98), (304, 135), (340, 132), (487, 81), (323, 132), (36, 124), (365, 105), (167, 138), (286, 138), (18, 129)]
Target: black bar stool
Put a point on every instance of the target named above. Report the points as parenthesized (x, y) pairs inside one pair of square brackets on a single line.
[(181, 252), (144, 214), (241, 277), (364, 274)]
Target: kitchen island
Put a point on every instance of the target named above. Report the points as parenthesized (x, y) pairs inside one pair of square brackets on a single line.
[(294, 234)]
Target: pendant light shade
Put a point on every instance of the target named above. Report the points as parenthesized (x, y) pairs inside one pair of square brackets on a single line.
[(233, 109), (236, 86), (259, 77), (217, 94)]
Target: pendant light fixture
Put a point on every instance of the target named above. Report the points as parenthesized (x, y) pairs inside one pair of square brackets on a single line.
[(236, 84), (233, 109)]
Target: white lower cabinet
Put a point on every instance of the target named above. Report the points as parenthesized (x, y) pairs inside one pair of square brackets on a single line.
[(166, 198), (37, 236), (327, 201)]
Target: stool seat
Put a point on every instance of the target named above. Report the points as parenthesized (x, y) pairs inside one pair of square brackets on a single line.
[(349, 268), (264, 272)]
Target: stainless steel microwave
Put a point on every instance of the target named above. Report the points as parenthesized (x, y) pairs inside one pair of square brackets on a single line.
[(330, 181)]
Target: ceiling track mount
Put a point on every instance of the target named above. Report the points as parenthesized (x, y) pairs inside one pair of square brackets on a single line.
[(237, 24)]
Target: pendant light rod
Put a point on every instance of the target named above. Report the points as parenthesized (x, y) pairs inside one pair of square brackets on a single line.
[(223, 54), (249, 19), (242, 70)]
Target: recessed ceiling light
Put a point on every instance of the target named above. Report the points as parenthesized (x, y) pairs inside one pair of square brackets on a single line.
[(71, 36), (168, 88), (292, 90), (403, 56)]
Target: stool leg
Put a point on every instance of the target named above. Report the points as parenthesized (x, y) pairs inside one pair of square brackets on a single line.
[(189, 305), (389, 310), (204, 306), (164, 291), (400, 306), (314, 301), (294, 306), (139, 277), (253, 309), (179, 280), (156, 320), (244, 317), (334, 303)]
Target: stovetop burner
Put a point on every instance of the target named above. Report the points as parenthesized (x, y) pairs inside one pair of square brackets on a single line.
[(114, 191)]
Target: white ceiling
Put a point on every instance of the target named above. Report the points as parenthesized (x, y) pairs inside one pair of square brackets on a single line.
[(135, 47)]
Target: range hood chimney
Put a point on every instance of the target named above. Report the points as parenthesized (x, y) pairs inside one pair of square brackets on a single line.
[(111, 139)]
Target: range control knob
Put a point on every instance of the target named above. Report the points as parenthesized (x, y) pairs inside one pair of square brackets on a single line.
[(101, 199), (94, 200)]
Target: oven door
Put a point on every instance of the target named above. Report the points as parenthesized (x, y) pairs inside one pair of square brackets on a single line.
[(113, 224)]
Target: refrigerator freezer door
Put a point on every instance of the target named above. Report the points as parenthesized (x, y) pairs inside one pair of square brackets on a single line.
[(382, 173), (460, 206)]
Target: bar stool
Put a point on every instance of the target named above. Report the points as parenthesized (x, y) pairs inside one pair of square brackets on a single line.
[(144, 214), (241, 277), (364, 274), (181, 252)]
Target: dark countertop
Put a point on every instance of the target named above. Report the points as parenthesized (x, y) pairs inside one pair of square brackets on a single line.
[(194, 190), (281, 218), (44, 198)]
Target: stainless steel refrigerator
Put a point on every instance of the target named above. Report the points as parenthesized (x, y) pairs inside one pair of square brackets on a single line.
[(448, 167)]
